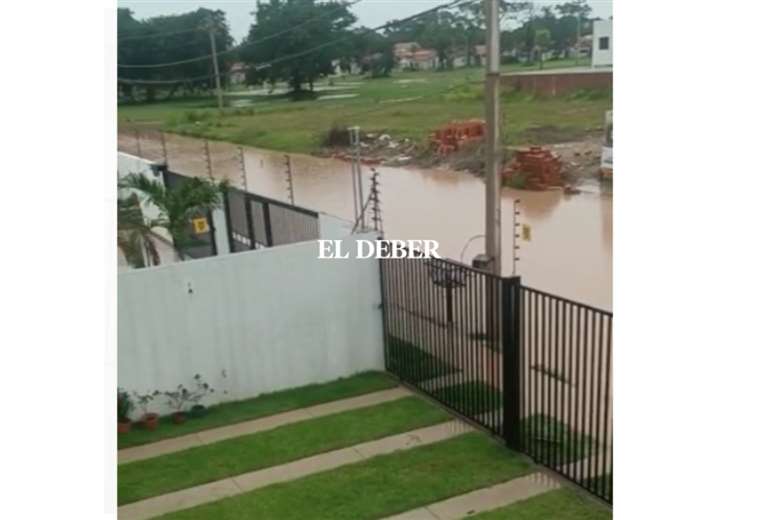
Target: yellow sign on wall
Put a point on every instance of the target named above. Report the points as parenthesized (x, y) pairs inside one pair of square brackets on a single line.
[(200, 225), (526, 232)]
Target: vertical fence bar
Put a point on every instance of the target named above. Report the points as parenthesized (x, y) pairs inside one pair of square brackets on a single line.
[(608, 400), (597, 410), (511, 360)]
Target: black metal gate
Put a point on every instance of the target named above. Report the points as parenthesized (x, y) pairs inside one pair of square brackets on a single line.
[(256, 221), (537, 373)]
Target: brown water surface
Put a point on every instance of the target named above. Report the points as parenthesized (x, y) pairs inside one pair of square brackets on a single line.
[(570, 253)]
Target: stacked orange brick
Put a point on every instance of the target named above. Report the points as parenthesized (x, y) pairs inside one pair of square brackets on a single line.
[(451, 137), (540, 167)]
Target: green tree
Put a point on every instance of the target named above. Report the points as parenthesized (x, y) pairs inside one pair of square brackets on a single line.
[(167, 39), (543, 42), (300, 26), (134, 234), (373, 52), (177, 206)]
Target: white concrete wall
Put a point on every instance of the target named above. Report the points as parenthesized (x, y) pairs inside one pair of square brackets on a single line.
[(268, 320), (599, 57), (333, 228)]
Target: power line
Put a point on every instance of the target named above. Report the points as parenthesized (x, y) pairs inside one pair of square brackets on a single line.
[(156, 35), (234, 49), (281, 59)]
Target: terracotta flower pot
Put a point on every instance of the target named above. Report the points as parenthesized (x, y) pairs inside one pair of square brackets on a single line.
[(178, 417), (149, 421), (124, 427)]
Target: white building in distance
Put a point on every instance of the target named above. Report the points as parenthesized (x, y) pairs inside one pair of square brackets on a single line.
[(601, 56)]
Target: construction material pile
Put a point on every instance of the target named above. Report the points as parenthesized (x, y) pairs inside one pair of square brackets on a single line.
[(451, 137), (533, 169)]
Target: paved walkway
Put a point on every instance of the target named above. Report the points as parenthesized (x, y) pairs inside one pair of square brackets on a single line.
[(213, 491), (257, 425), (481, 500)]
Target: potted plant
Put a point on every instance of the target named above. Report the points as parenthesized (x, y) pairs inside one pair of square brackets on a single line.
[(124, 407), (177, 400), (202, 389), (148, 420)]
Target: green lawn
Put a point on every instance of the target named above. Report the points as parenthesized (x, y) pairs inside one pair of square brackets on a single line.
[(379, 487), (157, 476), (410, 363), (561, 504), (263, 405), (406, 105), (474, 397), (548, 439)]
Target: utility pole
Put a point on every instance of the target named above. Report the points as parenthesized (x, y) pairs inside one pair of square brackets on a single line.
[(493, 144), (211, 36), (493, 173), (578, 39)]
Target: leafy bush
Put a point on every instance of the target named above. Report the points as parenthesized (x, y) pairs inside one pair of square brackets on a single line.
[(124, 405), (181, 397)]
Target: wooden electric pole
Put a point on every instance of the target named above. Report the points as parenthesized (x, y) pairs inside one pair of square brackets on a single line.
[(211, 36), (493, 144)]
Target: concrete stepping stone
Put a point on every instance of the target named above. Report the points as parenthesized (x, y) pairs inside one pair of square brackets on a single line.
[(482, 500), (154, 449)]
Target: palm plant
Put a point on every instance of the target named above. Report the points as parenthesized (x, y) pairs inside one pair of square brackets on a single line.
[(134, 236), (178, 205)]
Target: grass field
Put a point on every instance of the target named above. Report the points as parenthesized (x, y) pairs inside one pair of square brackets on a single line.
[(378, 487), (561, 504), (406, 105), (261, 406), (194, 466)]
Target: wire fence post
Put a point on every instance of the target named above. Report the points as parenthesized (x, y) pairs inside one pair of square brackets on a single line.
[(163, 147), (515, 236), (242, 168), (289, 173), (137, 137), (356, 172), (208, 158), (377, 218)]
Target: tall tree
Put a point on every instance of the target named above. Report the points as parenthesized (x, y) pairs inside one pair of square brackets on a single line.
[(166, 39), (300, 26)]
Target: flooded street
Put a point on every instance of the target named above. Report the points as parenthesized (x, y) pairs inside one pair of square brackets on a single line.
[(570, 252)]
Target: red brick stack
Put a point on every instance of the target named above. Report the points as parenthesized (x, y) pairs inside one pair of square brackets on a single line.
[(452, 136), (540, 167)]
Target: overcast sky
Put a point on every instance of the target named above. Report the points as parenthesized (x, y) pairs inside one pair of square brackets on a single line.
[(370, 12)]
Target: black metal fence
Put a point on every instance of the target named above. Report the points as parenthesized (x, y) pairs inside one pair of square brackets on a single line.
[(256, 221), (253, 221), (531, 367)]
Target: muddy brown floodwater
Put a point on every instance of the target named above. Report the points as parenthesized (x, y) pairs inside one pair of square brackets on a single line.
[(570, 252)]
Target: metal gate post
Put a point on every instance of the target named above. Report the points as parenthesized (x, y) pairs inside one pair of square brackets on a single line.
[(511, 361)]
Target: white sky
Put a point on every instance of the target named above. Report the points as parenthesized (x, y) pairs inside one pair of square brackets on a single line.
[(371, 13)]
